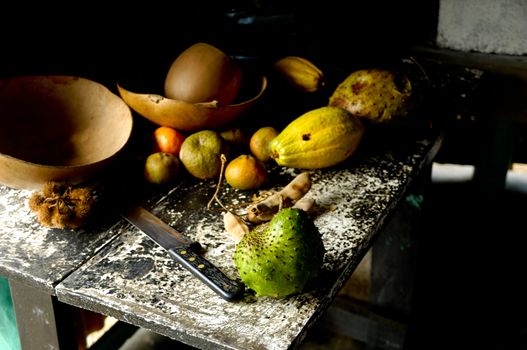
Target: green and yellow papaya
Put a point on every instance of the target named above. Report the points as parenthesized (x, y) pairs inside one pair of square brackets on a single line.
[(320, 138)]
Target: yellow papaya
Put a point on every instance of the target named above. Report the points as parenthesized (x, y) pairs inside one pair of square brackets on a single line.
[(300, 73), (319, 138)]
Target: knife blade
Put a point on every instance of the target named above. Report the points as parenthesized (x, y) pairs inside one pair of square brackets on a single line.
[(182, 249)]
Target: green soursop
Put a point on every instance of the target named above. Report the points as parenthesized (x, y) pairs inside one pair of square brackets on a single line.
[(379, 95), (282, 256)]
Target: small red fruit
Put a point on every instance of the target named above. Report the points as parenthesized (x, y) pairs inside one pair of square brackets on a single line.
[(168, 140)]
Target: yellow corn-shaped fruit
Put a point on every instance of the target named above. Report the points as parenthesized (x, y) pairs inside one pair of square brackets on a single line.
[(300, 73)]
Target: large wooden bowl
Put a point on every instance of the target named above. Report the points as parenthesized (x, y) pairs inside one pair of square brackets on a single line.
[(58, 128)]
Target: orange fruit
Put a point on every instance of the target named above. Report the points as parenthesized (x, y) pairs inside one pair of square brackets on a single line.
[(245, 172), (168, 140), (259, 142), (161, 168)]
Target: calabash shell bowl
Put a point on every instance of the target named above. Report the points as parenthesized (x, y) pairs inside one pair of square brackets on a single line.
[(192, 117), (58, 128)]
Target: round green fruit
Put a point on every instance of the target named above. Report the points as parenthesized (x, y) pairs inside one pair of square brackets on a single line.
[(161, 168), (201, 153), (260, 140)]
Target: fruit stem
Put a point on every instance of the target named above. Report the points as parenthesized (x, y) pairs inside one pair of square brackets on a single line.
[(420, 67), (218, 186)]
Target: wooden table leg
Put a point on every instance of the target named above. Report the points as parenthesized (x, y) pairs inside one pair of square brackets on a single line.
[(496, 152), (43, 322)]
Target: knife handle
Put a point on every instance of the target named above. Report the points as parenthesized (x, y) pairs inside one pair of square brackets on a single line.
[(208, 273)]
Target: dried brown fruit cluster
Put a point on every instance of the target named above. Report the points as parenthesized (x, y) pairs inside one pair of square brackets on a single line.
[(60, 205)]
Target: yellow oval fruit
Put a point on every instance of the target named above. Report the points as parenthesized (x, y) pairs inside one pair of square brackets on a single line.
[(300, 73), (245, 172), (260, 140), (320, 138)]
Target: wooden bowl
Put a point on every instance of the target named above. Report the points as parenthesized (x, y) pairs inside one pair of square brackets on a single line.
[(59, 128), (192, 117)]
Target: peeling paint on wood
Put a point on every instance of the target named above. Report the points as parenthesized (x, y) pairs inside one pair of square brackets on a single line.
[(38, 256), (134, 280), (114, 269)]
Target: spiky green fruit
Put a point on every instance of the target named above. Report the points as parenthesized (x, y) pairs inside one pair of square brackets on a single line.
[(281, 257), (380, 95)]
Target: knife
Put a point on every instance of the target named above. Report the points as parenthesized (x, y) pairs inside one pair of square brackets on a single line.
[(183, 250)]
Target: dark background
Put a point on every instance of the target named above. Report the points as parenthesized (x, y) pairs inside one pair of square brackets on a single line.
[(104, 41)]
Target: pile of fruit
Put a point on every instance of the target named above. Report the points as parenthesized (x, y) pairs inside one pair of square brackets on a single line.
[(279, 249), (205, 76)]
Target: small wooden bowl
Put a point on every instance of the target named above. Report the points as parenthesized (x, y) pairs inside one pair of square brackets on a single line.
[(58, 128)]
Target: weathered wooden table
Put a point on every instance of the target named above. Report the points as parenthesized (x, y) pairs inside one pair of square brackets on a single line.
[(114, 269)]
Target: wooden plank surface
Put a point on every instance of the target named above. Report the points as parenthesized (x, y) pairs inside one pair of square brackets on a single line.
[(513, 65), (37, 256), (135, 281)]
